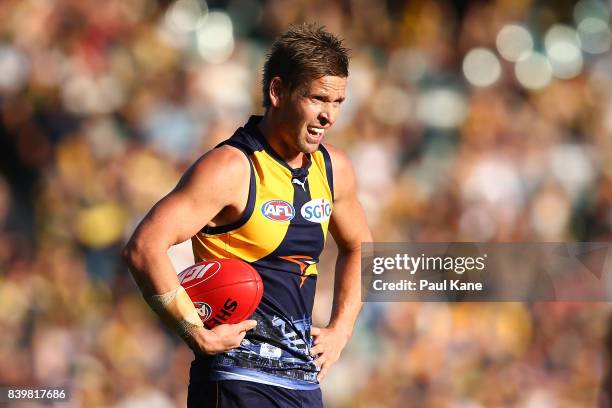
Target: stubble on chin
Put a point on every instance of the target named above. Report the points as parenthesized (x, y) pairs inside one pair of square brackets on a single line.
[(310, 148)]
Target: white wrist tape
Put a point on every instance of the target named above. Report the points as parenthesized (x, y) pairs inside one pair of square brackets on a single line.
[(177, 310)]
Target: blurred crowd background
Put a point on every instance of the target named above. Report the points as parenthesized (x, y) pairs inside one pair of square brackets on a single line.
[(466, 121)]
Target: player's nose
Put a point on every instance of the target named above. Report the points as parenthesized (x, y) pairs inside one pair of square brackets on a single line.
[(327, 116)]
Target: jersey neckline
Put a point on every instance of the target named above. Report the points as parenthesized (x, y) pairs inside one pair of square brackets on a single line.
[(299, 173)]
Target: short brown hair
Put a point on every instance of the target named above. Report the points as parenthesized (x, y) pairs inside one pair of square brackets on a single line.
[(303, 53)]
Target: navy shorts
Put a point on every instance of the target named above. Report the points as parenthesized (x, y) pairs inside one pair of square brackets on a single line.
[(239, 394)]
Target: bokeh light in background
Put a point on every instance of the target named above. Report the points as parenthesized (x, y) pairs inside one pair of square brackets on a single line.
[(481, 67), (563, 51), (441, 108), (187, 15), (465, 121), (562, 57), (90, 95), (407, 66), (513, 40), (215, 37), (181, 20), (533, 70), (14, 67), (594, 35), (392, 105)]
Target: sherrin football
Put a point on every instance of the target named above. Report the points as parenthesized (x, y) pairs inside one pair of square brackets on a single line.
[(222, 290)]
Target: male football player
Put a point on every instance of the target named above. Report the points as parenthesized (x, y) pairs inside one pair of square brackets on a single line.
[(267, 195)]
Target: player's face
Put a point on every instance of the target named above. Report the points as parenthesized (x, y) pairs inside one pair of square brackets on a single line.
[(311, 111)]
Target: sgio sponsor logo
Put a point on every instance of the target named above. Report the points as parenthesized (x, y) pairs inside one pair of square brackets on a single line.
[(278, 210), (316, 210)]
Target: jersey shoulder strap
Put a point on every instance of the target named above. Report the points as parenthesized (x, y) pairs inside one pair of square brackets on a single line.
[(247, 145)]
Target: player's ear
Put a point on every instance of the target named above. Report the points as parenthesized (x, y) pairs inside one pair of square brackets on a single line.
[(277, 91)]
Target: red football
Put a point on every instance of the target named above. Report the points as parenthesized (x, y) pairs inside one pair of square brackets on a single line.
[(222, 290)]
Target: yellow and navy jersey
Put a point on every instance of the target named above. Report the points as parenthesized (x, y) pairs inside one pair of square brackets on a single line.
[(282, 234)]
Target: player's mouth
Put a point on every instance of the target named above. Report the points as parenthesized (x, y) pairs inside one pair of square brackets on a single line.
[(315, 134)]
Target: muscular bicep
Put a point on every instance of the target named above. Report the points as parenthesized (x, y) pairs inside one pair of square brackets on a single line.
[(348, 223), (211, 184)]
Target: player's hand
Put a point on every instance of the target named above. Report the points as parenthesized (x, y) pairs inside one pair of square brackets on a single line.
[(220, 338), (328, 344)]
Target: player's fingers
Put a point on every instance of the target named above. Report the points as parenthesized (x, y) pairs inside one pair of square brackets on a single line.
[(315, 331), (241, 335), (235, 340), (316, 350), (319, 361), (246, 325)]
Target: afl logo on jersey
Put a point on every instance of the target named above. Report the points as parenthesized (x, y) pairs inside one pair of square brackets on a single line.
[(278, 210), (317, 210)]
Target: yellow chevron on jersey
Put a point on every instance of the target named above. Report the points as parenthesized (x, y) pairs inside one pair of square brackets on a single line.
[(286, 219)]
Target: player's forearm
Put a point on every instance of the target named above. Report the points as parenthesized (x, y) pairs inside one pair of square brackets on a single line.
[(347, 291), (150, 266), (160, 287)]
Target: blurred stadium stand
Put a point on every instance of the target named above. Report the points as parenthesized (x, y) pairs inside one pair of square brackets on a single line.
[(466, 121)]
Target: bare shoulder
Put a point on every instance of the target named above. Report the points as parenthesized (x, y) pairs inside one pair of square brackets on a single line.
[(343, 170), (224, 160), (338, 157), (224, 165)]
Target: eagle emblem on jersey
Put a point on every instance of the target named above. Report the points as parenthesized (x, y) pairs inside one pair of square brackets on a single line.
[(304, 262)]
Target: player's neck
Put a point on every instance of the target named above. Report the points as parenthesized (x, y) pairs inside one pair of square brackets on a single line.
[(272, 131)]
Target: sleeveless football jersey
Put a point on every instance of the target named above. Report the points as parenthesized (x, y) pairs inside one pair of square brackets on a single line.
[(281, 234)]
